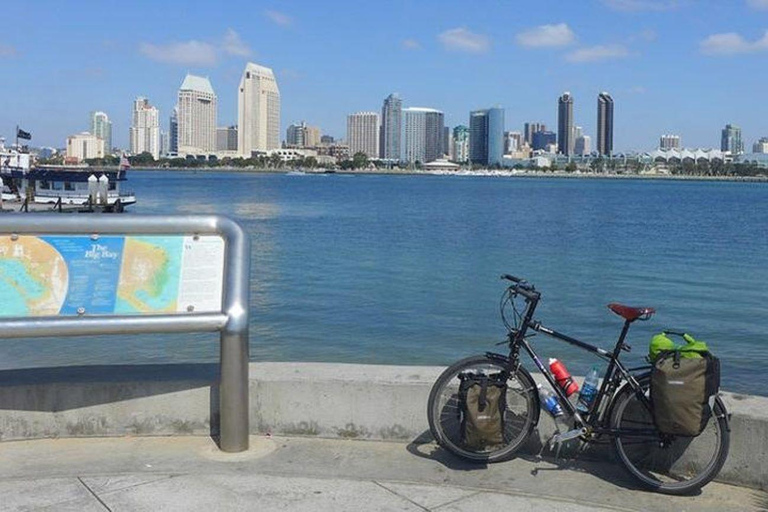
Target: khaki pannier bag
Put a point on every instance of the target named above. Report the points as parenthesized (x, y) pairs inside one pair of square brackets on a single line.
[(482, 407)]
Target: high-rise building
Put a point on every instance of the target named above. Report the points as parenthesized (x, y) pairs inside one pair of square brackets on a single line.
[(363, 133), (760, 146), (446, 140), (145, 128), (668, 141), (513, 141), (326, 139), (486, 136), (542, 140), (258, 107), (730, 140), (424, 132), (85, 146), (583, 145), (165, 142), (565, 139), (391, 127), (461, 144), (226, 138), (173, 132), (101, 127), (197, 116), (604, 124), (302, 136), (530, 128)]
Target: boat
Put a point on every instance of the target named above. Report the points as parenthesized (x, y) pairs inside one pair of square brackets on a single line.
[(28, 187)]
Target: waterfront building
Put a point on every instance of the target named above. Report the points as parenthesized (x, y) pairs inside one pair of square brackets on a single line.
[(460, 144), (513, 142), (145, 128), (530, 128), (604, 124), (730, 140), (173, 132), (446, 140), (424, 131), (565, 139), (226, 138), (84, 146), (101, 127), (302, 135), (543, 139), (391, 127), (326, 139), (164, 143), (486, 136), (197, 116), (583, 145), (761, 146), (258, 111), (363, 133), (669, 141)]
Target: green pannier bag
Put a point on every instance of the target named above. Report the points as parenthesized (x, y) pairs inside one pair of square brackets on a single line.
[(482, 407), (683, 379)]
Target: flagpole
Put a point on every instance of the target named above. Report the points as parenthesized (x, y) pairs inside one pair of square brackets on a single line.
[(17, 137)]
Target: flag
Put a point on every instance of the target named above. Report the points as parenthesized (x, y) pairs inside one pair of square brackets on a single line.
[(21, 134)]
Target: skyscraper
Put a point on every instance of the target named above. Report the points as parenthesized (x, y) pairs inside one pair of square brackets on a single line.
[(583, 145), (530, 128), (461, 144), (513, 141), (565, 137), (730, 140), (145, 128), (543, 139), (101, 127), (391, 127), (486, 136), (761, 145), (226, 138), (424, 131), (604, 124), (197, 116), (302, 136), (258, 107), (363, 133), (667, 141)]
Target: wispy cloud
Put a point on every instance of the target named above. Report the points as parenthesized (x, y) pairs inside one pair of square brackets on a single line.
[(760, 5), (597, 53), (637, 89), (410, 44), (279, 18), (192, 53), (461, 39), (234, 45), (731, 43), (641, 5), (545, 36), (7, 50)]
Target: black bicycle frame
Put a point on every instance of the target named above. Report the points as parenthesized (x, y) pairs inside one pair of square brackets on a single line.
[(612, 378)]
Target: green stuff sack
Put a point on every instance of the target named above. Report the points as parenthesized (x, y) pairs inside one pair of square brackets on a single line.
[(482, 406)]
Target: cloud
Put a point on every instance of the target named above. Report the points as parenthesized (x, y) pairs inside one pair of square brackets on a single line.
[(760, 5), (233, 45), (193, 53), (279, 18), (461, 39), (637, 89), (7, 50), (641, 5), (411, 44), (597, 53), (547, 36), (731, 43)]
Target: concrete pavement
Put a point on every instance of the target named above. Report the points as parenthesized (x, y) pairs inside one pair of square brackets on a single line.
[(306, 474)]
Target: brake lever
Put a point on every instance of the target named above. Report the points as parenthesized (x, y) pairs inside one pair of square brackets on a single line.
[(626, 346)]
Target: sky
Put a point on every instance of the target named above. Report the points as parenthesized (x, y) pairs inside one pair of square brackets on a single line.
[(686, 67)]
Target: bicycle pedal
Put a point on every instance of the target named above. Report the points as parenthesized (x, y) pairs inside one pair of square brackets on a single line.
[(567, 436)]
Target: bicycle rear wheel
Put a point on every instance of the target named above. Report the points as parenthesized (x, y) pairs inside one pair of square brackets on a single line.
[(667, 464), (522, 412)]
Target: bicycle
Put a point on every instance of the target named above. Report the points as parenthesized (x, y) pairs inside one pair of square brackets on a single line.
[(621, 410)]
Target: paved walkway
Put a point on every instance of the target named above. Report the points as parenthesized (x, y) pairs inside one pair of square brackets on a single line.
[(301, 474)]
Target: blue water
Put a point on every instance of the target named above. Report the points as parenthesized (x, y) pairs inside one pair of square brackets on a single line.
[(404, 269)]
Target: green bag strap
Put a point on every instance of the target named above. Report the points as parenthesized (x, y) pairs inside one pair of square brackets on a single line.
[(692, 344)]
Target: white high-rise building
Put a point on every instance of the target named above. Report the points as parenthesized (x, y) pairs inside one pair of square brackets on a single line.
[(84, 146), (258, 111), (196, 117), (668, 141), (145, 128), (363, 133), (101, 127), (424, 133), (583, 145)]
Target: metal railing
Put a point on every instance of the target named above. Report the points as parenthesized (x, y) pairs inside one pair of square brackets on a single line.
[(231, 322)]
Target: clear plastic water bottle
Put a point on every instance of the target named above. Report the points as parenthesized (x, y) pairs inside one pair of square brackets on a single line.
[(550, 402), (588, 390)]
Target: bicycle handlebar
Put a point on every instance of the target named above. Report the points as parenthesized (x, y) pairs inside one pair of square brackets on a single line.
[(522, 286)]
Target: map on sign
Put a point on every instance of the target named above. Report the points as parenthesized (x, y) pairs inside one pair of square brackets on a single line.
[(69, 275)]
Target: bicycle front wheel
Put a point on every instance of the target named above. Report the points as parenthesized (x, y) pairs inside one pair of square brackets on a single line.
[(522, 412), (665, 463)]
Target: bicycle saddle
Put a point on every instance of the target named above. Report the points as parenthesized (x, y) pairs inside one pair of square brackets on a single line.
[(631, 314)]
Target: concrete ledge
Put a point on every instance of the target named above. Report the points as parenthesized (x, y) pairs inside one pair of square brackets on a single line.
[(304, 399)]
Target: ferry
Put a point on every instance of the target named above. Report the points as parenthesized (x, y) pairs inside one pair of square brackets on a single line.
[(28, 187)]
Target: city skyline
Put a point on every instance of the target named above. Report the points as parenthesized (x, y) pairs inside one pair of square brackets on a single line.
[(619, 46)]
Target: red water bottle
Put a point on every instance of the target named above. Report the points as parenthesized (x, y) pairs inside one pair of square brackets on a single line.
[(563, 377)]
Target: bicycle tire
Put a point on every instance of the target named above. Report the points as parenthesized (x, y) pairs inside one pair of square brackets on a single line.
[(676, 465), (522, 413)]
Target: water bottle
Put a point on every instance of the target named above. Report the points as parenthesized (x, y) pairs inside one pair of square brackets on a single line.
[(588, 390), (550, 402), (563, 377)]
